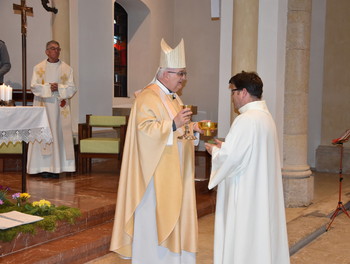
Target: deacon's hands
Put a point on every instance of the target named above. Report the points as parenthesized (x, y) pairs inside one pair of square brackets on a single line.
[(183, 117), (209, 147), (54, 87)]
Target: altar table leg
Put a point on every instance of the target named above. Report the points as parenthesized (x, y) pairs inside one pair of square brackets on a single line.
[(24, 167)]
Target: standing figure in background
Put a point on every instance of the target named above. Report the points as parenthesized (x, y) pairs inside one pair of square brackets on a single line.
[(156, 214), (52, 85), (5, 64), (250, 223)]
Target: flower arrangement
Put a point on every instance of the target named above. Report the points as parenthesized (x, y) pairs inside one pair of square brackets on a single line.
[(42, 204), (43, 208), (20, 198)]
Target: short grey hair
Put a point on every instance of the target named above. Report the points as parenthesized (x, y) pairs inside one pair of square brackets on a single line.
[(52, 42), (161, 72)]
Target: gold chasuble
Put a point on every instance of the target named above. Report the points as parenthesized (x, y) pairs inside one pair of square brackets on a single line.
[(148, 154)]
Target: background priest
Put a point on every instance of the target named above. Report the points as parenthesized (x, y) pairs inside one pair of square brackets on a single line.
[(156, 216), (5, 64), (250, 224), (52, 85)]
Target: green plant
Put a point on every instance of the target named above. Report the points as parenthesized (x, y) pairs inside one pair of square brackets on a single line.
[(43, 208)]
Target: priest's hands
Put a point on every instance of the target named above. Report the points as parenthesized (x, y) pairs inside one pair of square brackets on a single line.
[(209, 147), (182, 117), (54, 87)]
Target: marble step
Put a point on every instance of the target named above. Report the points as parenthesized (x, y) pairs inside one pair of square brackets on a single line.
[(88, 239), (88, 220), (74, 249), (313, 223)]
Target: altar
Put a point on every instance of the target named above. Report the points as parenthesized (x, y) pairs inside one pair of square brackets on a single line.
[(24, 124)]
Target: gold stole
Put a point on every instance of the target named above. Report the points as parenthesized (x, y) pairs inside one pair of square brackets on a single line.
[(64, 115)]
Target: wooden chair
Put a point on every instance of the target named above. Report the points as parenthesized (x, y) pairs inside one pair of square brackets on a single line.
[(9, 151), (100, 147)]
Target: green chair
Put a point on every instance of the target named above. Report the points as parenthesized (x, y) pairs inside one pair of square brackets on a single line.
[(10, 151), (91, 146)]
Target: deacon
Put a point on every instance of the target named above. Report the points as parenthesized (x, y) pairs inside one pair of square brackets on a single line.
[(250, 224), (52, 85), (156, 216)]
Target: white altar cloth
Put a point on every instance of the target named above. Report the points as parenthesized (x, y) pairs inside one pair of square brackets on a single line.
[(24, 123)]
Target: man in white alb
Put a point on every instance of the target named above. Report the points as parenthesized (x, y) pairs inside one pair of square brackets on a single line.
[(52, 85), (250, 224)]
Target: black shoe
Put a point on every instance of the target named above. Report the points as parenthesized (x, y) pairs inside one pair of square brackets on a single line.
[(50, 175), (54, 175), (44, 175)]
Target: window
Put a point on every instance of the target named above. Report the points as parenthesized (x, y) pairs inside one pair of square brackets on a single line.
[(120, 51)]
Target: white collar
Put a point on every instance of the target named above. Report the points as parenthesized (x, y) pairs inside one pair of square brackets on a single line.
[(162, 86)]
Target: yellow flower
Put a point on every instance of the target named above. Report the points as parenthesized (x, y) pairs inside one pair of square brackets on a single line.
[(24, 196), (42, 203)]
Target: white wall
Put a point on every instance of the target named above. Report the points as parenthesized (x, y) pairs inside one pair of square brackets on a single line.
[(225, 68), (316, 78), (38, 33), (202, 44), (149, 21), (271, 58), (92, 43)]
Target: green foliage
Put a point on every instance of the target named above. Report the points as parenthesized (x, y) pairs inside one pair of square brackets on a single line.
[(50, 214), (9, 234), (40, 210)]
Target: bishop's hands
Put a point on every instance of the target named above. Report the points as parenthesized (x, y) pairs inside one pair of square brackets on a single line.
[(197, 128), (183, 117), (209, 147)]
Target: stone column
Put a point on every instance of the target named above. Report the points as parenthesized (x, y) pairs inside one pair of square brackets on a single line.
[(60, 28), (245, 35), (244, 38), (61, 33), (297, 176)]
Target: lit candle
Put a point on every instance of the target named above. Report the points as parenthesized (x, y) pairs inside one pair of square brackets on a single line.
[(8, 93), (2, 92)]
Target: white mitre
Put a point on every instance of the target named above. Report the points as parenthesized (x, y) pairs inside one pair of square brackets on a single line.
[(172, 58)]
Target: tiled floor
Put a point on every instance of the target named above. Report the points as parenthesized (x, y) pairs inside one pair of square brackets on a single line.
[(99, 188)]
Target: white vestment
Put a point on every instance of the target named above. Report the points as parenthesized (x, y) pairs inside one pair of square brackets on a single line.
[(145, 248), (250, 224), (58, 156)]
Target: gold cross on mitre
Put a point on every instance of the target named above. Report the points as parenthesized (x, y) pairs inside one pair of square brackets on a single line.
[(64, 78), (24, 12)]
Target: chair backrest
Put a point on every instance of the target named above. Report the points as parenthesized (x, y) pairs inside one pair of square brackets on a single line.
[(106, 121), (11, 148)]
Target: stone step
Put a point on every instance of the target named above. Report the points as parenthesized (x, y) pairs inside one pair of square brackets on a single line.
[(77, 248), (88, 220), (312, 224), (87, 240)]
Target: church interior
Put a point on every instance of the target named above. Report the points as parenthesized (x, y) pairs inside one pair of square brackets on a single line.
[(298, 47)]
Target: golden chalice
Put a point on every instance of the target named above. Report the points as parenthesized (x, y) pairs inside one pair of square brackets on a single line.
[(187, 135), (208, 127)]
